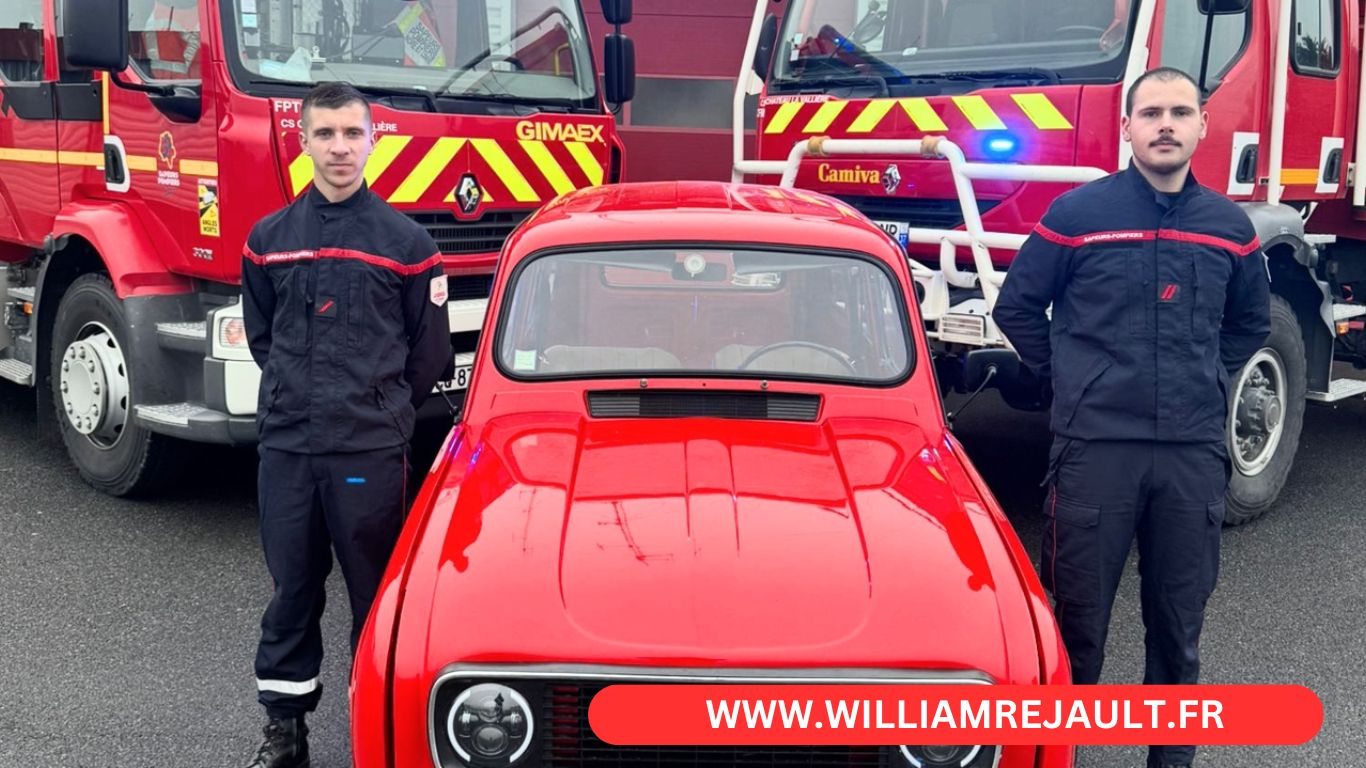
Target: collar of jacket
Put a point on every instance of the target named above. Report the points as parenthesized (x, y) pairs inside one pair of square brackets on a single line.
[(1140, 182), (358, 198)]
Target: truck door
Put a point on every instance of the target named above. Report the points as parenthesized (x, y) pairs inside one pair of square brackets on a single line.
[(1234, 154), (28, 126), (1316, 101)]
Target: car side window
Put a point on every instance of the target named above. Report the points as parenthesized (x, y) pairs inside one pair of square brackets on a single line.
[(164, 38), (21, 41)]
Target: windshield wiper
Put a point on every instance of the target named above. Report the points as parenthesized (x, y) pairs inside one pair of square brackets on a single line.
[(398, 90), (1021, 73)]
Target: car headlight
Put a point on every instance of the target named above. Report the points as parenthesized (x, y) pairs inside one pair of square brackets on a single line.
[(489, 726), (929, 756)]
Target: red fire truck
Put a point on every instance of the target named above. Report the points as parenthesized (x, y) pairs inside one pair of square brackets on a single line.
[(1027, 97), (141, 139)]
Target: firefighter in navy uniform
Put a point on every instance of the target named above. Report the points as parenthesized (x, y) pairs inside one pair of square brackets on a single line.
[(345, 307), (1160, 295)]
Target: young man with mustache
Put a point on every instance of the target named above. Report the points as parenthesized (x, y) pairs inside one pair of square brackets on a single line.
[(1160, 295), (345, 306)]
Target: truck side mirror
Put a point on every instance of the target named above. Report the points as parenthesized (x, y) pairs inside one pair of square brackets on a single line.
[(619, 67), (763, 52), (1222, 7), (616, 12), (95, 34)]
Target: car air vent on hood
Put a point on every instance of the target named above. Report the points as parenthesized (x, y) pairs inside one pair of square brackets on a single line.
[(676, 404)]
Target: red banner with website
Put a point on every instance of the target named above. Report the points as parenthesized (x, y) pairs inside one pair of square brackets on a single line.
[(954, 714)]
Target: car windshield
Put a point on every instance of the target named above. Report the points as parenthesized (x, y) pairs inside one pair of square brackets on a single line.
[(709, 311), (507, 50), (888, 43)]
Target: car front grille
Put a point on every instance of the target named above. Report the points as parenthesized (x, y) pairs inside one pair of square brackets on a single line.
[(483, 235), (567, 741), (932, 214)]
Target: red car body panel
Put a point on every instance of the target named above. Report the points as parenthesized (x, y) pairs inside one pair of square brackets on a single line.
[(862, 539)]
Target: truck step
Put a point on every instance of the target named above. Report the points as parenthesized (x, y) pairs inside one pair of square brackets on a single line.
[(1347, 311), (186, 337), (1340, 389), (16, 371), (176, 414), (22, 293)]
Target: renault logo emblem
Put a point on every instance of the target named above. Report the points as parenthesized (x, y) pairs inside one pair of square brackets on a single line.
[(468, 194), (891, 179)]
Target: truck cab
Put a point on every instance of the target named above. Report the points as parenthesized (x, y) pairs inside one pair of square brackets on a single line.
[(140, 140), (954, 125)]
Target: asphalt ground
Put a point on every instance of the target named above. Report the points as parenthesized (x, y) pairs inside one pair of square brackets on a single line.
[(128, 628)]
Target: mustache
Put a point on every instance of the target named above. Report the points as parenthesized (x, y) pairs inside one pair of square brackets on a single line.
[(1165, 141)]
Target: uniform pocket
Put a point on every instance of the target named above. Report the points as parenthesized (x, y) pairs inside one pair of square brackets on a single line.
[(289, 327), (1210, 274), (1071, 550)]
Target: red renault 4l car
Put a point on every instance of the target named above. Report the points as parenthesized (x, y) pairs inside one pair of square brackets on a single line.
[(702, 442)]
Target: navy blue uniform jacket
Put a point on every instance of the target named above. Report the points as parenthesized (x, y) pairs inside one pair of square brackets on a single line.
[(1157, 302), (345, 310)]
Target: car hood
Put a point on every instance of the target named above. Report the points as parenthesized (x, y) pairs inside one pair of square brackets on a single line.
[(857, 542)]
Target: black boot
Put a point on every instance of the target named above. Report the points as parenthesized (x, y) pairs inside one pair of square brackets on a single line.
[(286, 745)]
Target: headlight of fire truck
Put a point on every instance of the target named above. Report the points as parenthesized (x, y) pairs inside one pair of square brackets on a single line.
[(229, 334)]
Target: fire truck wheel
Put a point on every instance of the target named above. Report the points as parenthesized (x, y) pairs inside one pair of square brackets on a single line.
[(93, 395), (1266, 412)]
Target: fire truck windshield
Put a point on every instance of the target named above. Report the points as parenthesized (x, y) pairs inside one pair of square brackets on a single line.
[(909, 47), (522, 51)]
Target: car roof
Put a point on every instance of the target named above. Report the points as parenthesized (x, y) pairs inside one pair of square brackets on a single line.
[(701, 211)]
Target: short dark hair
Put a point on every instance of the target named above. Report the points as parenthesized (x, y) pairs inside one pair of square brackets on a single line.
[(1163, 75), (333, 96)]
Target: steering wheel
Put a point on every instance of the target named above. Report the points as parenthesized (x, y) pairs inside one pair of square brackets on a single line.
[(833, 353)]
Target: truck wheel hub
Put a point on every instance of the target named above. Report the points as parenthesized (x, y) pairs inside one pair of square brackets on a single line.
[(94, 385), (1258, 412)]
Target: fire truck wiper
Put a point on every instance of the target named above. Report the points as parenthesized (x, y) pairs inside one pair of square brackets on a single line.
[(1022, 73)]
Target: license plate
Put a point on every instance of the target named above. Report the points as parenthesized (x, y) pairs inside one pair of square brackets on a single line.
[(464, 364), (461, 380), (897, 230)]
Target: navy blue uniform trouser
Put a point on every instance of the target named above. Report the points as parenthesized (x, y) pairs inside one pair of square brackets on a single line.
[(310, 506), (1170, 496)]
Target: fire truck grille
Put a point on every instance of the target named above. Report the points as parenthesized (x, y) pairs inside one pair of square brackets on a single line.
[(566, 741), (931, 214), (470, 287), (456, 237)]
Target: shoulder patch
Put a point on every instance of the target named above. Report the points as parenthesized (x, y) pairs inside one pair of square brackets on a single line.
[(437, 290)]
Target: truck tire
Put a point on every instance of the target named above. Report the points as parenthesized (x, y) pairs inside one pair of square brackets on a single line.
[(1266, 413), (93, 395)]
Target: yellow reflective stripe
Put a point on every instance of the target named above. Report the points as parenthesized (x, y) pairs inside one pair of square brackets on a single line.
[(63, 157), (783, 117), (979, 113), (300, 173), (924, 116), (872, 115), (1299, 176), (587, 163), (549, 167), (104, 100), (199, 168), (87, 159), (506, 171), (1040, 111), (824, 116), (16, 155), (417, 183), (386, 149), (149, 163)]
